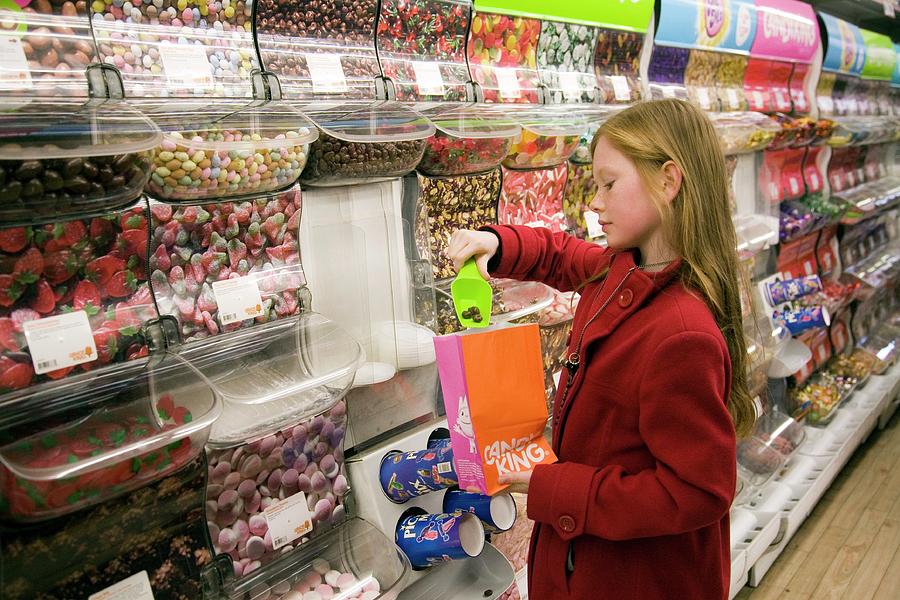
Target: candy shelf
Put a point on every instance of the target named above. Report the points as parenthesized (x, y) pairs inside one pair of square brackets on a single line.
[(534, 198), (302, 463), (364, 143), (226, 149), (275, 374), (75, 297), (617, 61), (350, 558), (502, 54), (468, 140), (565, 58), (322, 49), (422, 48), (147, 427), (62, 159), (158, 530), (49, 50), (175, 48)]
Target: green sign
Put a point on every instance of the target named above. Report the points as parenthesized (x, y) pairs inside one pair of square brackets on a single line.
[(880, 56), (630, 15)]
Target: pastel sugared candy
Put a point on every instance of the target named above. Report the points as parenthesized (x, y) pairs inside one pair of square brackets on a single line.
[(341, 487), (289, 478), (214, 489), (220, 471), (228, 540), (281, 588), (213, 530), (331, 577), (339, 513), (241, 529), (254, 565), (346, 580), (274, 479), (329, 466), (232, 481), (262, 476), (227, 499), (251, 466), (300, 463), (372, 585), (323, 510), (267, 445), (314, 578), (246, 488), (258, 525), (256, 547), (319, 481), (325, 590), (252, 505), (321, 566)]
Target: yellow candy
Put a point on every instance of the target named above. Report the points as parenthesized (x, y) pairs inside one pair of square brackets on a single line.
[(98, 6), (477, 25), (511, 43), (229, 12), (182, 4)]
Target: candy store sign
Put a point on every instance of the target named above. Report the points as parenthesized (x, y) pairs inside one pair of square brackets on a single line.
[(514, 456), (785, 30)]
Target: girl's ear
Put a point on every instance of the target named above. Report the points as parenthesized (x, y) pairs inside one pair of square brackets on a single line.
[(671, 180)]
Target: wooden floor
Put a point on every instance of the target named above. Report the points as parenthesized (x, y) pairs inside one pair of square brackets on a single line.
[(849, 547)]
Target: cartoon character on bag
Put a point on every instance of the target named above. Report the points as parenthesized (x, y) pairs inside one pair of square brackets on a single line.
[(463, 425)]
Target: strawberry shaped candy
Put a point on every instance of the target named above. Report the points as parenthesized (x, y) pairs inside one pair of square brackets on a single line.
[(217, 242), (95, 265)]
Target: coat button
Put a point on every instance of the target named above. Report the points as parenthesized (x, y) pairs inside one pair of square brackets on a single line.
[(625, 298), (567, 523)]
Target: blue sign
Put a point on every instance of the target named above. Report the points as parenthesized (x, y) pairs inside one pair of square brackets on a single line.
[(845, 50), (722, 25)]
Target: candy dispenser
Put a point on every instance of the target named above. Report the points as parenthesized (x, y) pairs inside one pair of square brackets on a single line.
[(767, 85), (744, 132), (617, 61), (666, 72), (422, 49), (700, 78), (581, 187), (548, 138), (47, 48), (178, 48), (534, 198), (763, 454), (730, 82), (72, 159), (565, 58), (107, 484), (502, 53)]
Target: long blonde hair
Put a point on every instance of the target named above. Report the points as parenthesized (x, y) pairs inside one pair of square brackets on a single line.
[(697, 223)]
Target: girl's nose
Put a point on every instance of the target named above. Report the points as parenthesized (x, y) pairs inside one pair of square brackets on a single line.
[(596, 204)]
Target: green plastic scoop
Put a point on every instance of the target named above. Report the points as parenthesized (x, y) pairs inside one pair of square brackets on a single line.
[(472, 297)]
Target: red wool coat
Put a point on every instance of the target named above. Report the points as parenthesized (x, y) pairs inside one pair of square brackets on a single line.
[(646, 447)]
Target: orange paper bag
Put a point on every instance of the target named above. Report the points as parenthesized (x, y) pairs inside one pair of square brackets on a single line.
[(493, 385)]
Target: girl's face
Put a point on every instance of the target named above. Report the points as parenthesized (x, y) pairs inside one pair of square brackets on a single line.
[(627, 213)]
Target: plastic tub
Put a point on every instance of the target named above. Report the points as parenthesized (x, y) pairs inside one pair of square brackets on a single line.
[(539, 148), (534, 198), (466, 141), (145, 430), (226, 150), (502, 57), (213, 283), (82, 282), (66, 159)]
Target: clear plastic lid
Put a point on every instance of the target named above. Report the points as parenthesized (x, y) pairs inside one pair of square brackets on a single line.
[(744, 132), (113, 436), (167, 48), (354, 560), (755, 232), (550, 120), (46, 48), (763, 454), (274, 374), (367, 122), (515, 300), (470, 120), (72, 129)]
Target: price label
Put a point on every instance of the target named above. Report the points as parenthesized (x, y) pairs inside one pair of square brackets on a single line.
[(836, 181), (428, 78), (822, 351), (59, 342), (795, 186), (136, 587), (814, 181), (808, 267), (592, 219), (570, 83), (508, 83), (238, 299), (327, 73), (14, 71), (703, 98), (781, 99), (534, 224), (668, 92), (827, 260), (860, 175), (186, 65), (826, 104), (734, 101), (620, 87), (288, 520), (773, 191), (758, 99)]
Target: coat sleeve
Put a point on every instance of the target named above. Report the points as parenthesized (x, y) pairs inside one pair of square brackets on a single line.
[(685, 424), (536, 254)]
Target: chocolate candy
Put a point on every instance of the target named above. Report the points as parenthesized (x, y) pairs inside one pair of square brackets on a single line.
[(333, 161), (534, 198), (502, 57), (194, 247), (158, 529), (449, 155), (93, 265), (345, 29), (666, 71), (56, 41), (410, 30), (565, 54), (617, 62), (445, 205), (62, 187), (178, 47), (580, 190), (307, 458), (535, 151), (192, 165)]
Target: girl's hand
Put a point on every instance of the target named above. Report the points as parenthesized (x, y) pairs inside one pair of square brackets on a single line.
[(465, 244), (518, 482)]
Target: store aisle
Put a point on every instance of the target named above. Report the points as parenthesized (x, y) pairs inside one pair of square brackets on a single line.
[(850, 545)]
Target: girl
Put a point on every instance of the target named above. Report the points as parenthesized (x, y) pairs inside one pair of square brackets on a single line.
[(637, 506)]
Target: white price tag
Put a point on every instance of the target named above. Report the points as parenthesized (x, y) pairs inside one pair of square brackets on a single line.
[(795, 186), (758, 99), (781, 99), (827, 261), (808, 267), (668, 92), (826, 105), (327, 73), (836, 181), (703, 98), (570, 83), (593, 224), (507, 83), (534, 224), (59, 342), (860, 175), (814, 181), (773, 191), (620, 87), (428, 78), (522, 583), (288, 520), (238, 299), (734, 101), (822, 352), (14, 71), (186, 65), (136, 587)]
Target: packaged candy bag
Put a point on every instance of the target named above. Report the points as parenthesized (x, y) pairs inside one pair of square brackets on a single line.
[(493, 387)]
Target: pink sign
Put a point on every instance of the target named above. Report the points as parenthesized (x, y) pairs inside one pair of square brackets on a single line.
[(785, 30)]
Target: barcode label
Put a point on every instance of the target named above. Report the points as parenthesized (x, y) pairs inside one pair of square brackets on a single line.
[(445, 467), (186, 65), (326, 73), (428, 78), (14, 71), (620, 88), (229, 317), (58, 342), (288, 520), (238, 299), (47, 364), (136, 587), (508, 83)]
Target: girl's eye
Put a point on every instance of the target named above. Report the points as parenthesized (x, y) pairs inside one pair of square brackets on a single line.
[(609, 185)]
